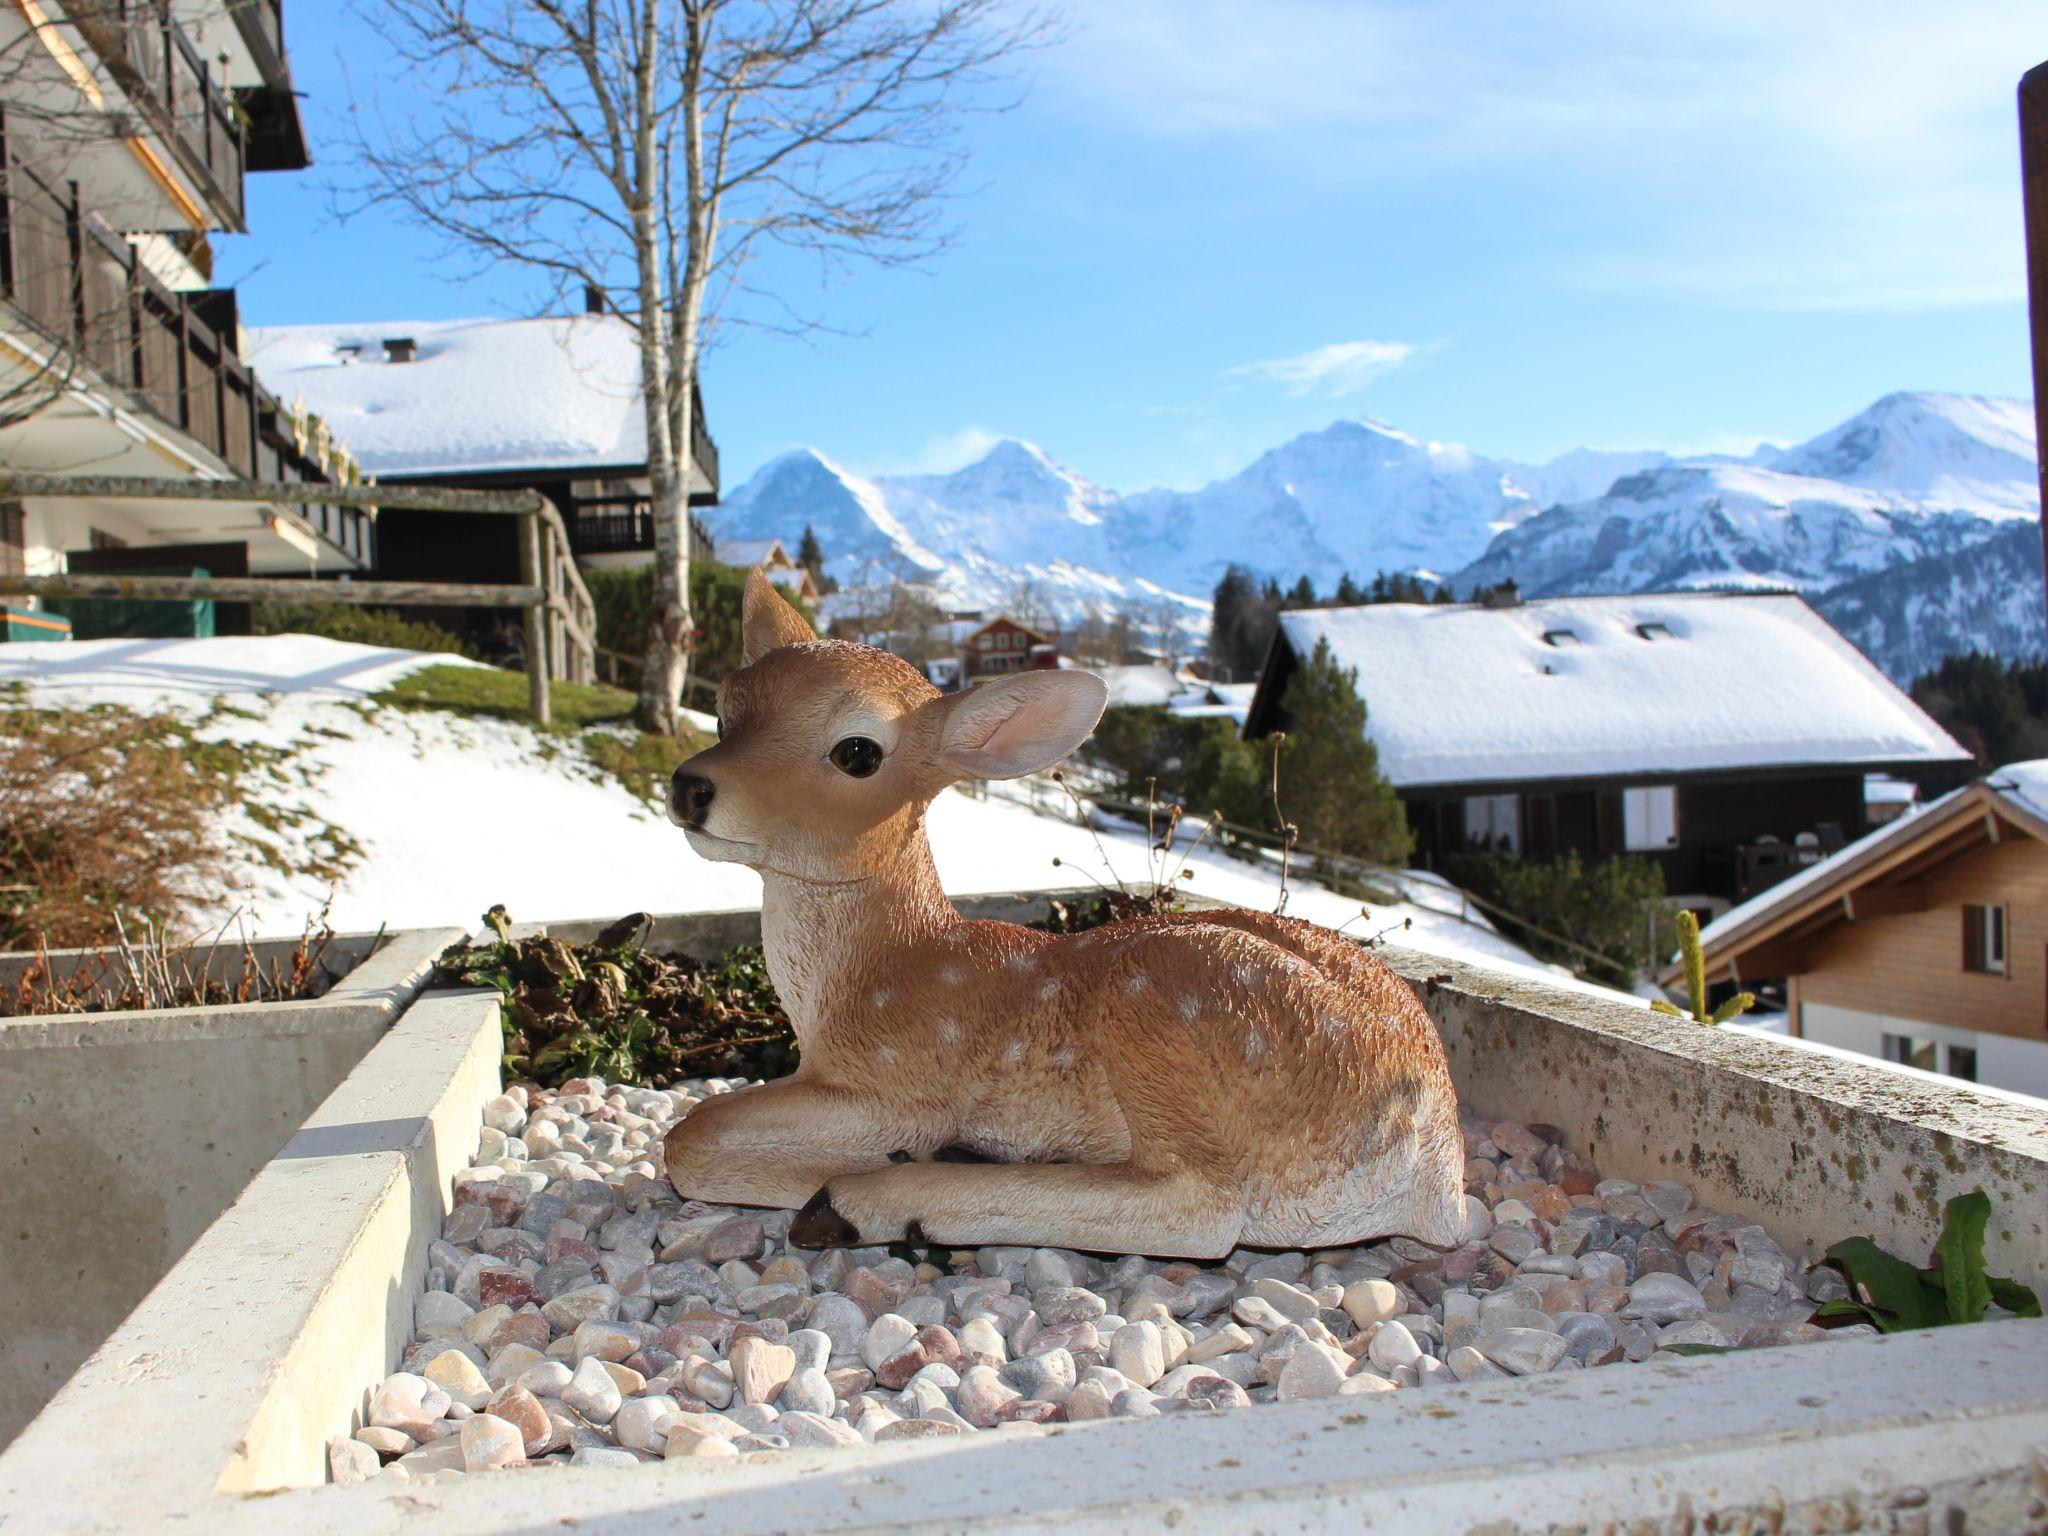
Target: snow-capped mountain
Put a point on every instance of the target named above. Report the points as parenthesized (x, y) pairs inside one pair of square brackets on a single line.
[(1914, 479), (1985, 598)]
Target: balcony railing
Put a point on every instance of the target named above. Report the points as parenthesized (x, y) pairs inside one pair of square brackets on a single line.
[(88, 292), (143, 44), (612, 525)]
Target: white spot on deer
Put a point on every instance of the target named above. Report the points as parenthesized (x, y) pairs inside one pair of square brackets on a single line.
[(885, 1053), (1136, 982), (1331, 1023), (881, 997), (1063, 1058), (1013, 1053), (1048, 991), (1190, 1006), (949, 1032), (1023, 960), (1244, 975), (951, 975), (1253, 1046)]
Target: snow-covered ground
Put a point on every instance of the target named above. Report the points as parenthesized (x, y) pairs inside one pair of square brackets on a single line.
[(455, 813)]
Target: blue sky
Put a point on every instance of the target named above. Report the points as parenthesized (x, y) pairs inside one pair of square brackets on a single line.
[(1212, 225)]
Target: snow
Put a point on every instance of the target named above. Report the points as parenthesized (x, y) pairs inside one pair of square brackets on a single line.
[(479, 395), (2025, 785), (147, 674), (1139, 686), (1467, 695), (456, 813)]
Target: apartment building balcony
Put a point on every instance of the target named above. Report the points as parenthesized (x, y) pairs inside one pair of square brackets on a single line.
[(113, 367)]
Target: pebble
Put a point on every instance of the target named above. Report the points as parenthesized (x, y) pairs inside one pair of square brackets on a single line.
[(581, 1313)]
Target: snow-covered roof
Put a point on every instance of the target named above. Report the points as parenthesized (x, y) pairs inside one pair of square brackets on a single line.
[(1597, 687), (1140, 685), (748, 553), (554, 393), (2024, 785)]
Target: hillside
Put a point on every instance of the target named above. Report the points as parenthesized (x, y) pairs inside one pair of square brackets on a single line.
[(1984, 598), (443, 813)]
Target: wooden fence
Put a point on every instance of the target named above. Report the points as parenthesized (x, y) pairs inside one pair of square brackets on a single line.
[(561, 621)]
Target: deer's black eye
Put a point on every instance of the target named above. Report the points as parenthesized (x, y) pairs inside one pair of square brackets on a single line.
[(857, 756)]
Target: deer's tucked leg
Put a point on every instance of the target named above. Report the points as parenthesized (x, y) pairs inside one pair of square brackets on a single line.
[(774, 1145), (1112, 1206)]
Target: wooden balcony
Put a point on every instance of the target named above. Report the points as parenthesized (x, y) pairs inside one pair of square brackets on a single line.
[(175, 91), (173, 354)]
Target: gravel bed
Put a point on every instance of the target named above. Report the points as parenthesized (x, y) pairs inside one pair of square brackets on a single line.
[(578, 1312)]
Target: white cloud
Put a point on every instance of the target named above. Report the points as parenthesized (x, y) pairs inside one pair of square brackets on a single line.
[(945, 452), (1826, 155), (1341, 368)]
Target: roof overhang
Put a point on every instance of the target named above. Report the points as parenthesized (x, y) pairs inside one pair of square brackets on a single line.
[(1880, 876)]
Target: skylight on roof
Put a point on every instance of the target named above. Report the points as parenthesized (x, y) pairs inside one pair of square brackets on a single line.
[(1560, 637), (1653, 631)]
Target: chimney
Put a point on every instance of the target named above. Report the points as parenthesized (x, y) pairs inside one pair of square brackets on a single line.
[(400, 349), (593, 300)]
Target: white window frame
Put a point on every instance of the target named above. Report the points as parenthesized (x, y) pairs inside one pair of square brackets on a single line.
[(1993, 938), (1494, 821), (1649, 818)]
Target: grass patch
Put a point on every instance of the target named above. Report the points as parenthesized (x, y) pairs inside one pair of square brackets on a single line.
[(503, 695), (596, 716)]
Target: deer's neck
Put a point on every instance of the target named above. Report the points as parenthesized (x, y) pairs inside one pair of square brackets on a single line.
[(824, 939)]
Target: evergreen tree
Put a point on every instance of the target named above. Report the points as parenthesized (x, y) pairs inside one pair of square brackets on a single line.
[(1349, 593), (810, 554), (1301, 595), (1998, 710), (1241, 623), (1330, 781)]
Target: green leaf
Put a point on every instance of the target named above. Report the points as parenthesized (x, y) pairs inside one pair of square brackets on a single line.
[(1658, 1005), (1960, 1253), (2016, 1298), (1737, 1005), (1887, 1286), (1695, 1349), (1843, 1307)]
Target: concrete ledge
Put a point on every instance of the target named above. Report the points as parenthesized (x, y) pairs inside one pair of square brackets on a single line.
[(131, 1131), (264, 1339), (1945, 1430), (1817, 1148)]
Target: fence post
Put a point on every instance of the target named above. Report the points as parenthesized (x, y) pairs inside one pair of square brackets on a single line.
[(534, 572)]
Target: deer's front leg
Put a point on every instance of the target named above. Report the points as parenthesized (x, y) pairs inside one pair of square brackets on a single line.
[(776, 1144), (1119, 1207)]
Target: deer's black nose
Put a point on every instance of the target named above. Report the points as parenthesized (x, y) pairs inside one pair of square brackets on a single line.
[(689, 798)]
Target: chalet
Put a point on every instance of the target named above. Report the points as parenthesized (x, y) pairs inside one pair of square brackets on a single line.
[(1924, 943), (1001, 646), (126, 132), (773, 561), (1725, 735), (550, 404)]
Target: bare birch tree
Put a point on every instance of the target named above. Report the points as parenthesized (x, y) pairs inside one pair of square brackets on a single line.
[(658, 150)]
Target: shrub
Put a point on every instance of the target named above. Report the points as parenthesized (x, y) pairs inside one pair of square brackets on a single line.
[(103, 812), (1605, 907), (624, 598), (1199, 764), (364, 626)]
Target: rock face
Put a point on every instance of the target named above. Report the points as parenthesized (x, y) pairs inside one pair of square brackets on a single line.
[(631, 1325)]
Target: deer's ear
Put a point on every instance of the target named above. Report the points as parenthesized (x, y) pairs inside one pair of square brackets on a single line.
[(767, 620), (1018, 725)]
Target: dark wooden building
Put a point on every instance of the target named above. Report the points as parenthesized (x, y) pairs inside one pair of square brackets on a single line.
[(1726, 736)]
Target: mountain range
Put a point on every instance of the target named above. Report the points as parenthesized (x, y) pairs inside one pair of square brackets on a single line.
[(1900, 523)]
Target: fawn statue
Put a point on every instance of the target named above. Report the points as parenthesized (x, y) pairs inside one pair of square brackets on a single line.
[(1172, 1085)]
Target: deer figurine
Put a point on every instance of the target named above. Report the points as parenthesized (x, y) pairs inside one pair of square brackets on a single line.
[(1173, 1085)]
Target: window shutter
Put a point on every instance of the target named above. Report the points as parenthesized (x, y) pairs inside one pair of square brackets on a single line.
[(1613, 832), (1973, 938)]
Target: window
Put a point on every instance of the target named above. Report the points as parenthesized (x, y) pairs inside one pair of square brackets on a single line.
[(1494, 821), (99, 538), (1984, 940), (1560, 637), (1962, 1062), (1649, 818), (1911, 1051), (984, 642)]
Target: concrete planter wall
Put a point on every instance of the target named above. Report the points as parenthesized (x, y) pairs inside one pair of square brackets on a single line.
[(232, 1385), (128, 1133)]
